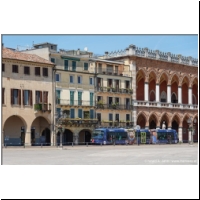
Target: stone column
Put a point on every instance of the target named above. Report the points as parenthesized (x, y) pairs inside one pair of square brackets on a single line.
[(146, 91), (146, 52), (28, 136), (157, 92), (169, 94), (180, 134), (189, 95), (169, 56), (179, 94)]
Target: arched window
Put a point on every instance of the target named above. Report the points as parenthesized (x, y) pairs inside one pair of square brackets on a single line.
[(194, 99), (163, 96), (174, 98), (152, 96)]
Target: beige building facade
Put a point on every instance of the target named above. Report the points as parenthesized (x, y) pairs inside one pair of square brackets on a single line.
[(27, 101)]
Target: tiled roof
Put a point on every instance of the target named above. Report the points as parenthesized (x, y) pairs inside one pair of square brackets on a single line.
[(7, 53)]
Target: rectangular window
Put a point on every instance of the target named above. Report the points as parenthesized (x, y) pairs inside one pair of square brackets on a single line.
[(127, 117), (91, 98), (53, 60), (110, 116), (86, 114), (80, 113), (71, 97), (66, 65), (3, 95), (57, 77), (15, 68), (91, 81), (38, 97), (45, 71), (79, 80), (57, 96), (91, 114), (37, 71), (15, 97), (99, 117), (26, 70), (85, 66), (72, 115), (73, 65), (27, 97), (3, 67), (71, 79), (117, 117)]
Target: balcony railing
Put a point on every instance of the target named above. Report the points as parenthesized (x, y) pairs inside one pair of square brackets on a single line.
[(42, 107), (67, 102), (75, 86), (113, 106), (115, 90), (165, 105), (120, 124), (78, 122), (113, 72)]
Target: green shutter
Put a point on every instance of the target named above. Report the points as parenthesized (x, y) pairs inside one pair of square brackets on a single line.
[(73, 65), (58, 96), (91, 99), (79, 98), (80, 113), (71, 97), (72, 113), (85, 66), (91, 114), (66, 64)]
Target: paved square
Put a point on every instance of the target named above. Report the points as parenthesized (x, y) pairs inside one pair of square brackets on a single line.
[(180, 154)]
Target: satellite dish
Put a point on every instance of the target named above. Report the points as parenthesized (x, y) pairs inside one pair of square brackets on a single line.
[(85, 49)]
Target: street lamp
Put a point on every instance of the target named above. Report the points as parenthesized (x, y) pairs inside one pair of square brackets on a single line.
[(137, 129)]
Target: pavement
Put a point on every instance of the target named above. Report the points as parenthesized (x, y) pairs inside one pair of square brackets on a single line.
[(164, 154)]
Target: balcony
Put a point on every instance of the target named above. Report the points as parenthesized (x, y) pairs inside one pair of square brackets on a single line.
[(77, 122), (77, 103), (43, 107), (114, 106), (165, 105), (116, 124), (113, 72), (115, 90)]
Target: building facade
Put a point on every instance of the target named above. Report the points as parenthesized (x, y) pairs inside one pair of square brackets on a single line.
[(165, 89), (27, 101)]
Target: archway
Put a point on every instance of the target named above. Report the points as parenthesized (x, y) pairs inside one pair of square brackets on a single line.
[(46, 137), (174, 98), (185, 128), (84, 136), (163, 96), (40, 131), (185, 86), (140, 85), (152, 86), (141, 120), (67, 137), (195, 91), (14, 131), (152, 125), (175, 125), (152, 96), (163, 87)]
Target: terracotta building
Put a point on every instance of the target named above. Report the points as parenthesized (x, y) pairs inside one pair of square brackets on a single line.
[(165, 89)]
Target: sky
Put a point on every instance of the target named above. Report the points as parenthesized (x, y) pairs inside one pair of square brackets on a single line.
[(186, 45)]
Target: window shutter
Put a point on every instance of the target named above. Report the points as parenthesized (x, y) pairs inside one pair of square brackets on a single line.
[(47, 97), (12, 99), (80, 113), (3, 95), (91, 114), (31, 102), (19, 96), (23, 97), (40, 97), (72, 113)]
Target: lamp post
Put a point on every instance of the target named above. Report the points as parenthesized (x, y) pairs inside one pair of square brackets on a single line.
[(137, 129)]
